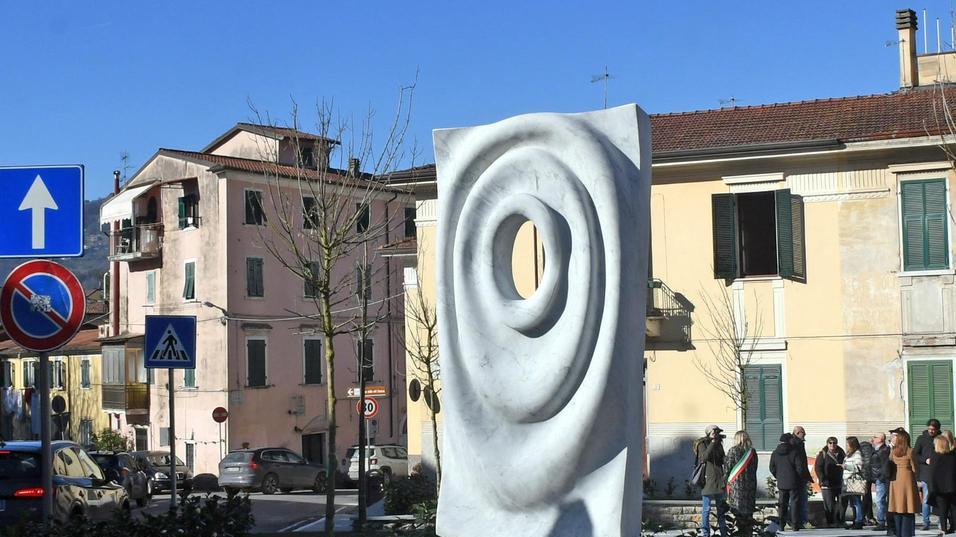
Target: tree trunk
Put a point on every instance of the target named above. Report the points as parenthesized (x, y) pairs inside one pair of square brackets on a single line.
[(331, 461), (431, 386)]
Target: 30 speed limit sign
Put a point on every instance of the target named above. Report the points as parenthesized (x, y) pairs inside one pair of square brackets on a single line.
[(368, 408)]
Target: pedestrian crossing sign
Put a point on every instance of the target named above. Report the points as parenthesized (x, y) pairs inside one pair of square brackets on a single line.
[(170, 341)]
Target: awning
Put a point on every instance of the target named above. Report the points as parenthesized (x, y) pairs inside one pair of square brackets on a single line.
[(120, 206)]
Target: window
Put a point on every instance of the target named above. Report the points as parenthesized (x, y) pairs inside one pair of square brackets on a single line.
[(310, 212), (106, 288), (6, 374), (256, 362), (151, 287), (254, 277), (114, 365), (70, 463), (367, 352), (254, 212), (189, 285), (764, 405), (164, 436), (90, 468), (311, 286), (363, 282), (312, 349), (86, 432), (361, 223), (190, 455), (57, 374), (85, 373), (924, 228), (188, 211), (307, 157), (410, 222), (930, 393), (189, 378), (759, 234), (29, 374)]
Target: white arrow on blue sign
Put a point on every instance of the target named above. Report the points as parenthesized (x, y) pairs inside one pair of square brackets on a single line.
[(171, 341), (42, 211)]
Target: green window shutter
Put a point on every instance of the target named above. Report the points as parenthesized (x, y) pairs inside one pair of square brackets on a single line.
[(256, 366), (937, 243), (941, 376), (919, 394), (189, 287), (725, 236), (254, 284), (313, 361), (911, 194), (189, 378), (361, 225), (925, 230), (791, 250), (182, 212), (764, 424), (754, 423)]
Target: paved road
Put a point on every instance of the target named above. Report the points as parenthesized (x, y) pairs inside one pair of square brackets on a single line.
[(277, 512)]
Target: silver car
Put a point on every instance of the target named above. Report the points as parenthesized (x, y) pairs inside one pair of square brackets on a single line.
[(270, 470)]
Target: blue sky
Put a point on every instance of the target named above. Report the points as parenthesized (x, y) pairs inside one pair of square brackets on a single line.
[(82, 82)]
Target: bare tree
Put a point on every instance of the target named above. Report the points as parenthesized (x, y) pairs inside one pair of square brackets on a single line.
[(731, 339), (323, 220), (421, 351)]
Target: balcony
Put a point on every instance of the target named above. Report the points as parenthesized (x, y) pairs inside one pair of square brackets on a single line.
[(129, 398), (668, 318), (142, 241)]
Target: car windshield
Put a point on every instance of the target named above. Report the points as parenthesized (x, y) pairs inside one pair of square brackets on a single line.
[(238, 456), (102, 460), (19, 464), (163, 459)]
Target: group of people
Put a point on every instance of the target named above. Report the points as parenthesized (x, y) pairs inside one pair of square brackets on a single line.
[(884, 478)]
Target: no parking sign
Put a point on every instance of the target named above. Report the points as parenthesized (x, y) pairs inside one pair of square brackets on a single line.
[(42, 305)]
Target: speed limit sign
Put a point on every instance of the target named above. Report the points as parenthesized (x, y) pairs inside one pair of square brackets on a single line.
[(369, 407)]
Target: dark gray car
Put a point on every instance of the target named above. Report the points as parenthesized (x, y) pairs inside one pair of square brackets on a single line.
[(270, 470), (156, 464)]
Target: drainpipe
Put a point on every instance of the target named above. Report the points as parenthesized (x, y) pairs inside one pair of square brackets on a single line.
[(114, 272)]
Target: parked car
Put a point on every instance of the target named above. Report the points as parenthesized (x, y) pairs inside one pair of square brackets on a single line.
[(125, 470), (382, 462), (269, 470), (156, 465), (80, 488)]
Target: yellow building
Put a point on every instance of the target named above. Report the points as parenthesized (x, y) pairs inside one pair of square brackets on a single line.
[(815, 239)]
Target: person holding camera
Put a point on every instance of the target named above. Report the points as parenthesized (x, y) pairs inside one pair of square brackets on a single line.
[(710, 450)]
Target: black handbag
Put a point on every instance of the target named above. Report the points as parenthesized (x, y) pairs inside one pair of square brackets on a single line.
[(699, 477)]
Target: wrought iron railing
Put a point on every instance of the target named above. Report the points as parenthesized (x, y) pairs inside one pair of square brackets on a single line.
[(139, 241), (671, 308)]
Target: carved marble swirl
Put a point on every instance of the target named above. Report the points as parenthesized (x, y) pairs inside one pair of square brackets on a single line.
[(518, 409)]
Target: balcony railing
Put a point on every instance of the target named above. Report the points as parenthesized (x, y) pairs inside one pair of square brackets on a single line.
[(668, 323), (142, 241), (126, 397)]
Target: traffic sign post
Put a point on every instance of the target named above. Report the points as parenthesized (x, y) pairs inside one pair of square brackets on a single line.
[(368, 409), (42, 306), (42, 211), (171, 344), (219, 415)]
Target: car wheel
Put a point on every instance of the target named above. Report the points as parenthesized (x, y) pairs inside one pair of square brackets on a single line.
[(386, 477), (270, 484), (321, 483)]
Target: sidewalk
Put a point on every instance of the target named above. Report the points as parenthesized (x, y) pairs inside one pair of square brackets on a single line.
[(344, 517)]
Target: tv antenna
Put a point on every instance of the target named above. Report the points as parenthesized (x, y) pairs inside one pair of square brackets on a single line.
[(732, 101), (124, 157), (605, 77)]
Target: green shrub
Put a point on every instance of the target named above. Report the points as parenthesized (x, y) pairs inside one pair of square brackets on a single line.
[(403, 493), (196, 517), (110, 440)]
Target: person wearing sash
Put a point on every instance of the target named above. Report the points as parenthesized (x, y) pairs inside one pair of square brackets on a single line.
[(740, 466)]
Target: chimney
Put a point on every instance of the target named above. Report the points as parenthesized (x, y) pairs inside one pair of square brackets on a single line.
[(355, 167), (116, 176), (909, 67)]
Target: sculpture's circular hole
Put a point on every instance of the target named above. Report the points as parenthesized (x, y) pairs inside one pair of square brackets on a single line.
[(527, 259)]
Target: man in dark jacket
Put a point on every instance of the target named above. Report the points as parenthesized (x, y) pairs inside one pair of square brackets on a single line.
[(710, 450), (922, 452), (799, 443), (785, 469), (881, 452)]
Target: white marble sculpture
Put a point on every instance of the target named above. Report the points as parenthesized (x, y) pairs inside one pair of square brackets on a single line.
[(543, 397)]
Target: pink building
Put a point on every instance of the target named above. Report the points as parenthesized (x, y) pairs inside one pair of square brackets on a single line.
[(188, 240)]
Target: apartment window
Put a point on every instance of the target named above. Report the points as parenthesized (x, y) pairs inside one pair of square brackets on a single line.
[(307, 157), (930, 392), (106, 288), (311, 285), (924, 229), (6, 374), (86, 433), (189, 378), (254, 277), (312, 349), (164, 436), (57, 374), (30, 374), (85, 373), (254, 212), (362, 222), (310, 212), (256, 362), (410, 214), (114, 365), (188, 211), (759, 234), (367, 367), (764, 405), (363, 282), (189, 285), (191, 456), (151, 287)]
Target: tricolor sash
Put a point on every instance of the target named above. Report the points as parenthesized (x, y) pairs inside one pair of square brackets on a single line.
[(741, 465)]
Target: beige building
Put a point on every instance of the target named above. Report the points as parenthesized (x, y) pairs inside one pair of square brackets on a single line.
[(820, 230)]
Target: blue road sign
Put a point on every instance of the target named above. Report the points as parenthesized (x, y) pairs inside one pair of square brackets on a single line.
[(42, 211), (171, 341)]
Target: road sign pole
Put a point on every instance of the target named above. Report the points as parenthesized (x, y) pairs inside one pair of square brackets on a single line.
[(46, 452), (172, 442)]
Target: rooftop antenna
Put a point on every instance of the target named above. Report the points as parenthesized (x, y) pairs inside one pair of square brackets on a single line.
[(925, 46), (605, 77), (732, 101), (938, 47), (124, 157)]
